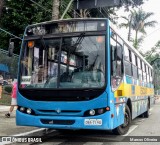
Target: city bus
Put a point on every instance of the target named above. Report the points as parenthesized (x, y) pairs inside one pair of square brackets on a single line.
[(80, 74)]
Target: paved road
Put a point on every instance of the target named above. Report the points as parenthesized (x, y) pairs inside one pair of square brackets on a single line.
[(8, 126), (140, 127)]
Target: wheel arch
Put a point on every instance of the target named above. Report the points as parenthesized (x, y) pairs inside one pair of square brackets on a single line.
[(129, 104)]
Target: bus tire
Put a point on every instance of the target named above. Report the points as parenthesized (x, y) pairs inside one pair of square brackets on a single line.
[(123, 129), (146, 114)]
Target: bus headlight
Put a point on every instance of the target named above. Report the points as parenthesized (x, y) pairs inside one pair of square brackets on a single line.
[(29, 111), (100, 111), (96, 111), (22, 109), (26, 110), (92, 112)]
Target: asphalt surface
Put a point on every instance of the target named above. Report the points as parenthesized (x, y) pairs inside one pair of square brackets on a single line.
[(8, 126), (142, 130), (141, 127)]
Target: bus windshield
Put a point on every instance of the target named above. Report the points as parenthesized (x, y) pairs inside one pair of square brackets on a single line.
[(65, 62)]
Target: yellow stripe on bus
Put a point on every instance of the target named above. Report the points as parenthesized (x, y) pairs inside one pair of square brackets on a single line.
[(129, 90)]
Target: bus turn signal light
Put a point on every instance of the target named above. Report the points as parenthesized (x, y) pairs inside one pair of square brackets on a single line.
[(107, 108), (30, 44)]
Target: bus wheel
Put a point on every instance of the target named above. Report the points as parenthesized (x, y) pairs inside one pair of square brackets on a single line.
[(146, 114), (123, 129)]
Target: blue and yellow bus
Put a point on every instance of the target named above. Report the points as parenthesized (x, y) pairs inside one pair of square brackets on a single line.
[(80, 74)]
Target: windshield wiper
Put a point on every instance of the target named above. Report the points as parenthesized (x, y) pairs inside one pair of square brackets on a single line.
[(78, 41), (92, 65)]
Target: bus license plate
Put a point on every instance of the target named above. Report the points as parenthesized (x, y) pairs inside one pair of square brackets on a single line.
[(93, 122)]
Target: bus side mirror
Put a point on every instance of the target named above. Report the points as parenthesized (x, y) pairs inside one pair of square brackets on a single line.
[(10, 49)]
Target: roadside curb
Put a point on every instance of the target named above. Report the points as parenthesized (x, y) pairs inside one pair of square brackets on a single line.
[(4, 108)]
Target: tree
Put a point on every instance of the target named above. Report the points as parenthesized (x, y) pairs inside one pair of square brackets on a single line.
[(153, 57), (130, 4), (18, 15), (127, 24), (140, 22), (153, 53), (1, 12), (70, 11), (1, 7), (55, 10), (137, 21)]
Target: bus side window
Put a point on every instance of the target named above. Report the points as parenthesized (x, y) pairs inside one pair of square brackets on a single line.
[(116, 63), (118, 57)]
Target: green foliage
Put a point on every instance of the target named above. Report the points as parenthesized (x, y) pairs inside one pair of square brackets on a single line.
[(8, 88), (130, 4), (138, 21), (18, 15), (104, 12), (152, 54), (137, 42), (153, 57), (63, 5), (6, 99), (11, 62)]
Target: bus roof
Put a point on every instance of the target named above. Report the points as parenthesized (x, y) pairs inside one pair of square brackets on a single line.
[(65, 20)]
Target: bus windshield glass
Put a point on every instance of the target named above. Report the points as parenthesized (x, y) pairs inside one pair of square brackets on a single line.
[(65, 62)]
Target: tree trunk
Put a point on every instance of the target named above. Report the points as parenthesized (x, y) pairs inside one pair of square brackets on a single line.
[(1, 7), (130, 27), (136, 40), (55, 9)]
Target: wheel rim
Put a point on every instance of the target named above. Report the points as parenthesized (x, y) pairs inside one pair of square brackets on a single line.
[(126, 120)]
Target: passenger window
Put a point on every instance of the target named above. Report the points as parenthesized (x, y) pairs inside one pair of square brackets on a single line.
[(134, 70), (116, 58), (126, 53), (140, 74), (116, 64), (147, 69), (143, 66), (151, 80), (147, 78), (133, 58), (138, 62), (128, 68), (144, 77)]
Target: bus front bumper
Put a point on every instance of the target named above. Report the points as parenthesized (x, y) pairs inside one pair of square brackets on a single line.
[(100, 122)]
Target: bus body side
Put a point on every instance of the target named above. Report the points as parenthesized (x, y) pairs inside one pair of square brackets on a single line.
[(136, 90), (71, 114)]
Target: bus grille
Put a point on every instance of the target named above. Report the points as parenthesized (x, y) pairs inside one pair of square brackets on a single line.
[(62, 111), (59, 112), (57, 122)]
